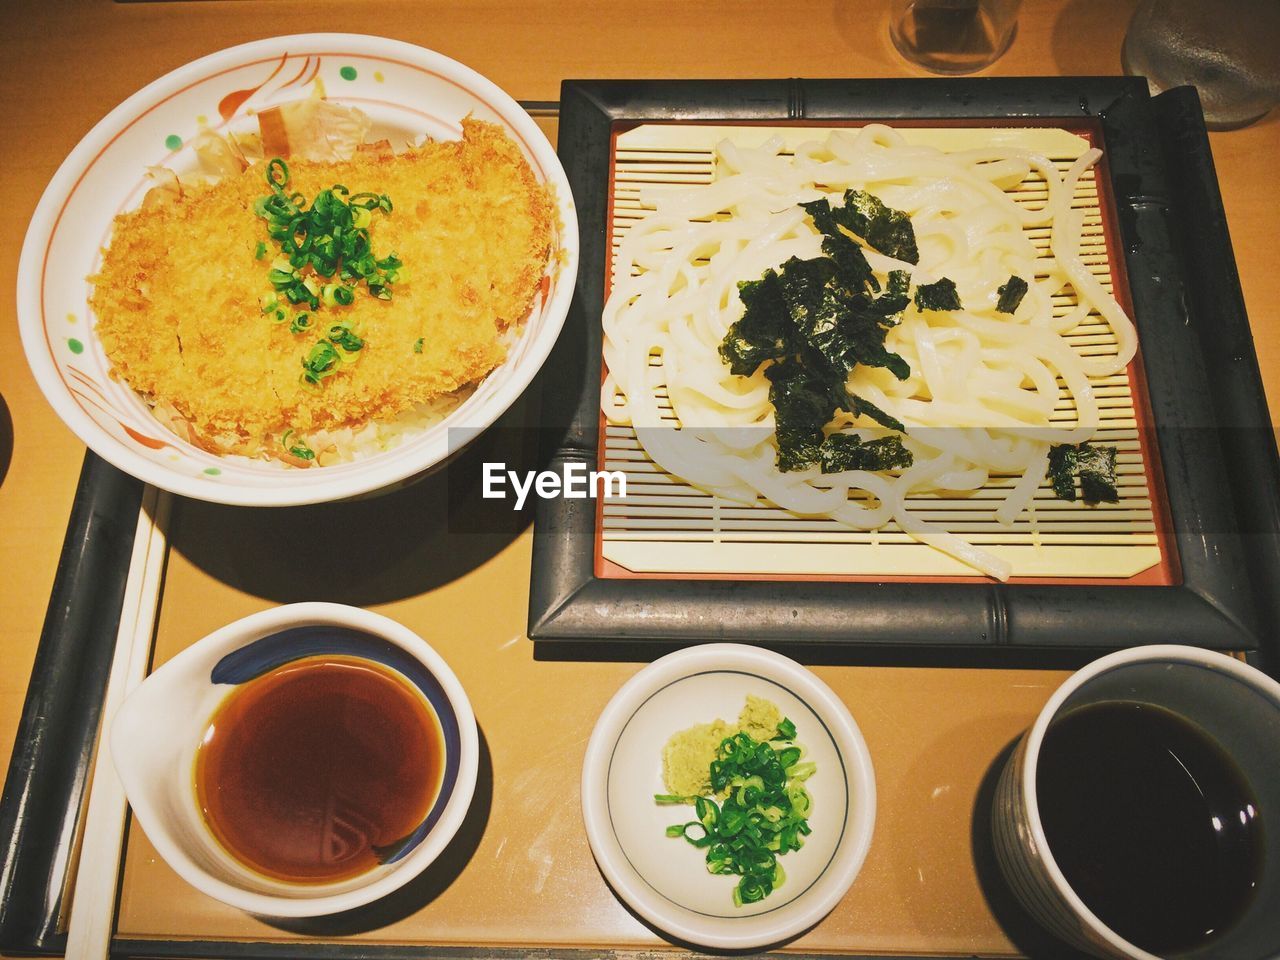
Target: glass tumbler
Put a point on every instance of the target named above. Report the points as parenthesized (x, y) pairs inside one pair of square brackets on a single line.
[(1228, 49), (952, 36)]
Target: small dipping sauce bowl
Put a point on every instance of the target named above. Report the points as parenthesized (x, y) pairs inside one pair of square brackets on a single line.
[(1151, 778), (271, 668)]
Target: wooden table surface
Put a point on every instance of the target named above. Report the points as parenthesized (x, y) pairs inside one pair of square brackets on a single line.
[(66, 63)]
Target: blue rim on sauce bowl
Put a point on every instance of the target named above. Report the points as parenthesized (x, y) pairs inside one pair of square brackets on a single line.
[(156, 734)]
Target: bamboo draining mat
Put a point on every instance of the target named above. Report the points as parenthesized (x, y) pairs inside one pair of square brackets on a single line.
[(664, 526)]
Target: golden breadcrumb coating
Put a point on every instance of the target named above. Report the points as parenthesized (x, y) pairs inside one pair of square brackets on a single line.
[(178, 296)]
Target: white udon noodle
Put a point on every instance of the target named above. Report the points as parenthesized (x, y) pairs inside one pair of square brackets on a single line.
[(982, 386)]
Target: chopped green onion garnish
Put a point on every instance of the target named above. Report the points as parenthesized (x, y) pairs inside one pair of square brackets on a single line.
[(299, 449), (277, 173), (345, 337), (321, 362), (762, 815), (417, 345), (327, 239)]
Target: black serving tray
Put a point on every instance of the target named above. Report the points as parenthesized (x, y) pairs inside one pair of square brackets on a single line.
[(46, 789), (1175, 199), (1205, 395)]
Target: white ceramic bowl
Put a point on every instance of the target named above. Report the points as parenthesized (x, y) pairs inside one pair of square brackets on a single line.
[(1235, 704), (665, 880), (407, 92), (155, 735)]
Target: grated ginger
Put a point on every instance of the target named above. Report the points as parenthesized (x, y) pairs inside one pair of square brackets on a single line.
[(687, 756)]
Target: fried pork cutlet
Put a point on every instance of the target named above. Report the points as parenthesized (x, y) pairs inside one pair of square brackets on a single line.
[(178, 296)]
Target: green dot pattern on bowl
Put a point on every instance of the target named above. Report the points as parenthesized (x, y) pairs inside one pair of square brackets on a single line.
[(212, 472), (173, 142), (347, 73), (74, 345)]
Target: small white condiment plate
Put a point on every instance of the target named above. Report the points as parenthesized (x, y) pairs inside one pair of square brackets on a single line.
[(665, 880)]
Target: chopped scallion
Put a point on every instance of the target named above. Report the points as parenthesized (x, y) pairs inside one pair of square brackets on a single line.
[(299, 449), (277, 173), (346, 338), (321, 362), (762, 814), (328, 238)]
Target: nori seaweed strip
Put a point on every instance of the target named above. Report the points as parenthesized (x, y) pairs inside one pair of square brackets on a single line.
[(851, 263), (817, 320), (884, 229), (848, 451), (816, 310), (896, 295), (764, 331), (863, 332), (845, 330), (1062, 470), (941, 295), (1095, 466), (802, 406), (1011, 293), (866, 408)]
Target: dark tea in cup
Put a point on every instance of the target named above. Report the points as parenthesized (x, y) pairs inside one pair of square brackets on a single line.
[(1130, 819), (1152, 823)]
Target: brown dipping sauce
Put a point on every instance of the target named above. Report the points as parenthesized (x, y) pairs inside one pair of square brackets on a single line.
[(306, 771)]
